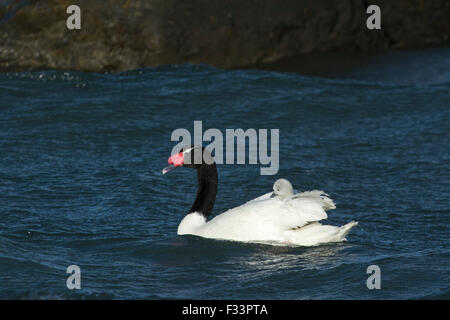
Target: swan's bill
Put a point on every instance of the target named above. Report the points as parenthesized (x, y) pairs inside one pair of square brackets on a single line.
[(168, 169)]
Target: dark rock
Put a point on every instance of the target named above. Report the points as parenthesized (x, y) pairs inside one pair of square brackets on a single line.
[(121, 35)]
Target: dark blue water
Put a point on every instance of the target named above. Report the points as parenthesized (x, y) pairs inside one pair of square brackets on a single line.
[(80, 181)]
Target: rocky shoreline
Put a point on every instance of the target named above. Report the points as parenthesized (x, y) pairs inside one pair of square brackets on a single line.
[(129, 34)]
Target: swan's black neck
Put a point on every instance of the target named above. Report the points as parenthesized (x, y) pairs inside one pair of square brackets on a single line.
[(207, 189)]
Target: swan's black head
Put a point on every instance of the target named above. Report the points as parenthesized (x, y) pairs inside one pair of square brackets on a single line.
[(193, 156), (197, 157)]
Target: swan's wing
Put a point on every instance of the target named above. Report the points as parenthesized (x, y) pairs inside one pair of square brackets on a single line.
[(303, 210), (315, 195), (267, 217), (319, 196), (263, 197)]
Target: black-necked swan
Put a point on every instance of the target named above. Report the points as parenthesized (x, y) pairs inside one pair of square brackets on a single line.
[(278, 217)]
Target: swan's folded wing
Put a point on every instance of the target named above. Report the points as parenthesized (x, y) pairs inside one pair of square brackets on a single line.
[(284, 215), (263, 197), (317, 195), (265, 218), (300, 211)]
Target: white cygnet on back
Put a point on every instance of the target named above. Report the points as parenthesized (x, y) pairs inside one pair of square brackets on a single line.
[(283, 188)]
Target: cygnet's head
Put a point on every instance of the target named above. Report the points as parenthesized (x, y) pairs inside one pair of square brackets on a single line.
[(283, 188)]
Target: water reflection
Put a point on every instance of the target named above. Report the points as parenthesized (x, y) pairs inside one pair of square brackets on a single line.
[(275, 258), (249, 258)]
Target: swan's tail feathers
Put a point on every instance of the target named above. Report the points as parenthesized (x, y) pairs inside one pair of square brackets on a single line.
[(345, 229), (320, 196)]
